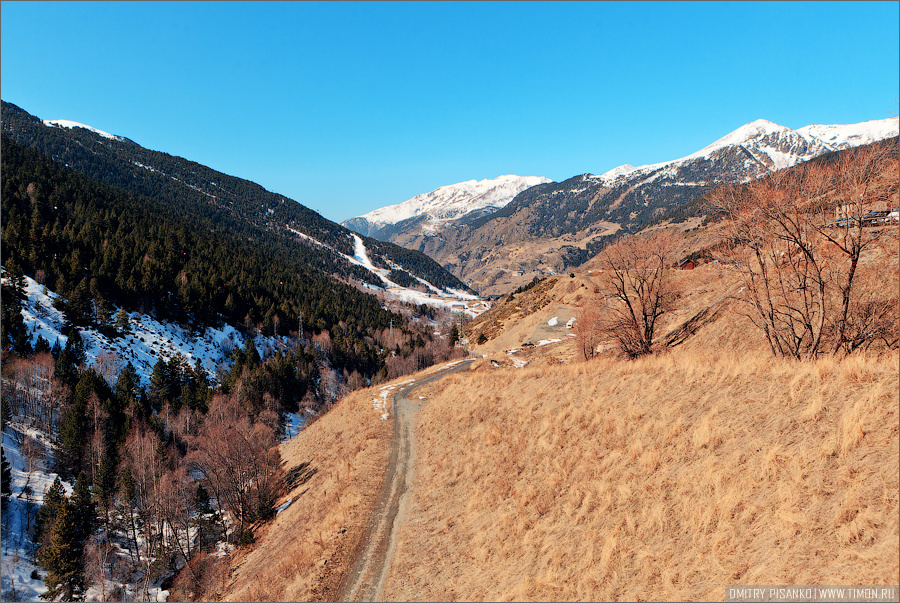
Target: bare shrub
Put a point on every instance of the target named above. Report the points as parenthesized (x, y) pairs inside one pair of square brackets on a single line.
[(238, 460), (588, 332), (637, 286)]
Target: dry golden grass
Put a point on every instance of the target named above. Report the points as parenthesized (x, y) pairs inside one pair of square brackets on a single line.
[(666, 478), (302, 554)]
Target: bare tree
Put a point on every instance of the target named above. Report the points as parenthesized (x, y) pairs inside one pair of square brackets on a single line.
[(588, 331), (144, 463), (98, 440), (33, 454), (637, 286), (238, 460), (108, 366), (176, 493), (98, 553), (867, 180), (799, 266)]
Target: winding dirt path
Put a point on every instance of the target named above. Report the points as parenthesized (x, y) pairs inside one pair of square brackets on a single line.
[(366, 576)]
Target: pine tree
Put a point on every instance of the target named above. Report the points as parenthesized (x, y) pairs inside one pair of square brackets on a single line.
[(75, 346), (122, 321), (61, 557), (5, 412), (46, 515), (160, 384), (78, 304), (41, 345), (105, 478), (72, 438), (83, 509), (13, 328), (5, 478), (65, 370)]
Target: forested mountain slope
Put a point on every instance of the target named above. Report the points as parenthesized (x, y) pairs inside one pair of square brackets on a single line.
[(141, 452), (97, 244), (229, 203)]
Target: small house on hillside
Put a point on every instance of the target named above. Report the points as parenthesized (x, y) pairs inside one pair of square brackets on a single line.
[(687, 264)]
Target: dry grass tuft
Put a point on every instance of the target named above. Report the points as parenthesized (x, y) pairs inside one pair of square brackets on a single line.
[(665, 478)]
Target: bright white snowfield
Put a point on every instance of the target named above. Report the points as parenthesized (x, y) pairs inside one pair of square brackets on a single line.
[(454, 201)]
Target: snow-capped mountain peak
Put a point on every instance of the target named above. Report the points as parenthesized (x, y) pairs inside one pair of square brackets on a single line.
[(768, 146), (852, 135), (447, 203)]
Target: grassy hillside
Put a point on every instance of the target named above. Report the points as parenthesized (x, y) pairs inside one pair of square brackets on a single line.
[(666, 478), (706, 463)]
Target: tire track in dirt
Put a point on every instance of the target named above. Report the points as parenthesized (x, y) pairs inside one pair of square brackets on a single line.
[(366, 576)]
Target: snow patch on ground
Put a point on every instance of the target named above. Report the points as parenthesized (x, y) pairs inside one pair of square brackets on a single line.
[(145, 340), (284, 505), (517, 362), (380, 402), (293, 425), (28, 488)]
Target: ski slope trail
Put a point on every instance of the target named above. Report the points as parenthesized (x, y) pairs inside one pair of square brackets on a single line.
[(365, 579)]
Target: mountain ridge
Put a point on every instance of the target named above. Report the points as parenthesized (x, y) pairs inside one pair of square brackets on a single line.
[(551, 227), (452, 203)]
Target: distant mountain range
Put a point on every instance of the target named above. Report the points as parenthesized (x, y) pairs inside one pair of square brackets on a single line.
[(553, 225), (452, 204)]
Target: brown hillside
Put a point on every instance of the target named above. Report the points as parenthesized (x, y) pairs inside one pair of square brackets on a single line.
[(538, 475), (667, 478)]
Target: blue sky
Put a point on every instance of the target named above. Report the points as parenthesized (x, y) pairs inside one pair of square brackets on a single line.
[(348, 107)]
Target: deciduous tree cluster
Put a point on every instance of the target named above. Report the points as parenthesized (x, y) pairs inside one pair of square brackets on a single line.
[(798, 237)]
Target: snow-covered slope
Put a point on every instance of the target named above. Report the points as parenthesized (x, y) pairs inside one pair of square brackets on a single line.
[(145, 340), (450, 299), (853, 135), (446, 204), (766, 146)]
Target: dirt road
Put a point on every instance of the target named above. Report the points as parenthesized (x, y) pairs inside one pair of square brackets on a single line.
[(366, 576)]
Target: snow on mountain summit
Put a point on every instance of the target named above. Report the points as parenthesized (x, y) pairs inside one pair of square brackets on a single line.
[(66, 123), (851, 135), (771, 146), (449, 202)]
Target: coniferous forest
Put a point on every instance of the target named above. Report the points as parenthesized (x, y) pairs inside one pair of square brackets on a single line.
[(165, 470), (226, 204)]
